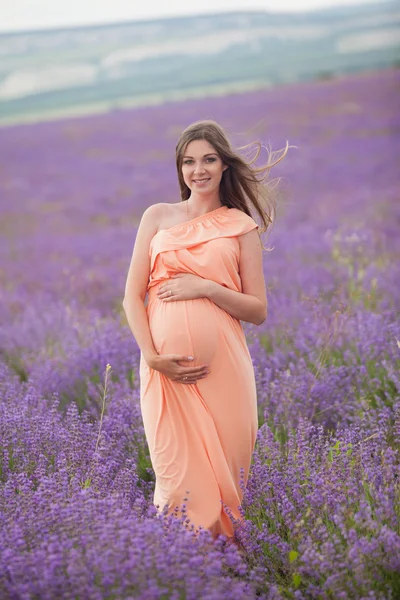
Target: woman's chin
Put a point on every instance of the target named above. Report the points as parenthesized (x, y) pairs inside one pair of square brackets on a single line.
[(203, 189)]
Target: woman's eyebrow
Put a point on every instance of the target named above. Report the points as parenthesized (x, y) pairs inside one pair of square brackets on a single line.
[(209, 154)]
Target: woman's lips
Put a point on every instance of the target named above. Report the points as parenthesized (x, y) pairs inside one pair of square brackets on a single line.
[(201, 181)]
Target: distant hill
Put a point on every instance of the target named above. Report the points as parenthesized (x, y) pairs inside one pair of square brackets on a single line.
[(88, 69)]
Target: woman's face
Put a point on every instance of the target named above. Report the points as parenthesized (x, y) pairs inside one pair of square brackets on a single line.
[(202, 167)]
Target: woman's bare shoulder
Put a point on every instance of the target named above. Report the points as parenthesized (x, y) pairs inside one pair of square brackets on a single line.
[(153, 210), (164, 209), (167, 214)]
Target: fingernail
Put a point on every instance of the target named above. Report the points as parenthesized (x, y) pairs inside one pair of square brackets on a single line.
[(190, 357)]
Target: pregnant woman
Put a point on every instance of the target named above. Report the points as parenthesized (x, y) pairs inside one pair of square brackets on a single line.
[(200, 263)]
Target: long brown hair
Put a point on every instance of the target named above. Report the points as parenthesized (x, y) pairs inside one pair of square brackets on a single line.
[(241, 183)]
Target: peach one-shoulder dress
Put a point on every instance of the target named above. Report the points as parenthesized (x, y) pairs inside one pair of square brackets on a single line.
[(201, 435)]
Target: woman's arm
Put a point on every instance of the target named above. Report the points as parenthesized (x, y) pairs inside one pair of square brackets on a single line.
[(137, 280), (251, 304)]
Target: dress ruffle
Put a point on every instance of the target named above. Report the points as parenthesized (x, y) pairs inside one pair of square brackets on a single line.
[(221, 222)]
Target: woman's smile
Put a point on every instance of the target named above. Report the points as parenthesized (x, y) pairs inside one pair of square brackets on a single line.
[(201, 181)]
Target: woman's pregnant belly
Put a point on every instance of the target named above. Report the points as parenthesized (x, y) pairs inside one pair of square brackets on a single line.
[(187, 327)]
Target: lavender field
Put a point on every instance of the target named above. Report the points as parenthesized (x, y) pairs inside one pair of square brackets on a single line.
[(322, 506)]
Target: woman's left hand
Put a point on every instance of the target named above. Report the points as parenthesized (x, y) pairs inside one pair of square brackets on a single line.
[(183, 286)]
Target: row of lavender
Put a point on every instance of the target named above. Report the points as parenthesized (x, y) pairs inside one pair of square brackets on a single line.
[(322, 503)]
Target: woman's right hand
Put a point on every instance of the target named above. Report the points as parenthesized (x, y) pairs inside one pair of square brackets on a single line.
[(168, 365)]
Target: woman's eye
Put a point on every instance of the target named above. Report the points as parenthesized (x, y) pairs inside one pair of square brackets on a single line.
[(189, 161)]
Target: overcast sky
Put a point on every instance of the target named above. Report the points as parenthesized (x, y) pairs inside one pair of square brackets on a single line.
[(37, 14)]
